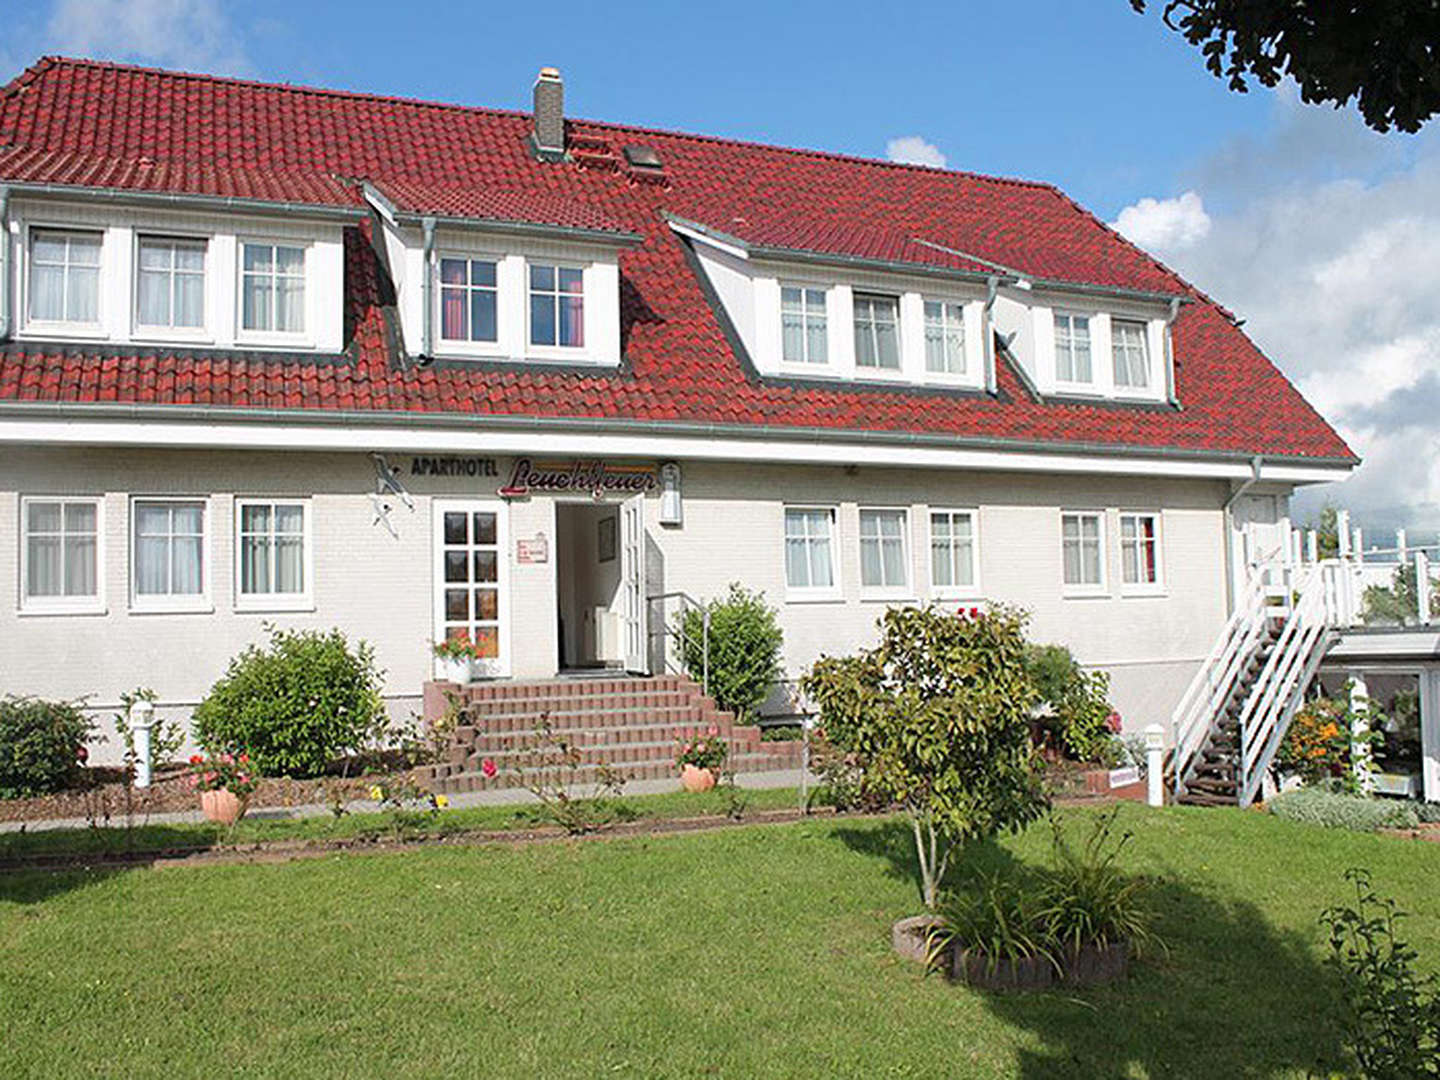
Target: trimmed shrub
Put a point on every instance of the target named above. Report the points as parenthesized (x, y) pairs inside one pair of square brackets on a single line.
[(296, 705), (1336, 810), (745, 641), (41, 745), (1080, 720)]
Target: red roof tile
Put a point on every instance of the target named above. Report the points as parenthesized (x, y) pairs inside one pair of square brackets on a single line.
[(100, 121)]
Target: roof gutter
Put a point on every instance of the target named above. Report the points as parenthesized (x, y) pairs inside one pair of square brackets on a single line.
[(987, 339), (1170, 353), (427, 320), (197, 202), (609, 237), (4, 262)]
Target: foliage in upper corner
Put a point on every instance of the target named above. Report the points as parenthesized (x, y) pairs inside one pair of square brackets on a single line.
[(42, 745), (1081, 718), (296, 705), (744, 644), (1398, 604), (1392, 1015), (1382, 53), (936, 718)]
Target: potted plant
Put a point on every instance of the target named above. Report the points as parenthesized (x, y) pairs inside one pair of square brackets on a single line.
[(454, 657), (700, 760), (225, 782)]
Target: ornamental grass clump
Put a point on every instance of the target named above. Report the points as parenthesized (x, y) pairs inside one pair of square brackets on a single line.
[(1341, 810), (1088, 899)]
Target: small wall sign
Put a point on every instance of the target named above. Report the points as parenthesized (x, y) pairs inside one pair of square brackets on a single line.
[(599, 478), (532, 550), (1124, 777), (453, 466)]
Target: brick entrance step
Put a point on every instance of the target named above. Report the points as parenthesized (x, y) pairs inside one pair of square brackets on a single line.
[(630, 724)]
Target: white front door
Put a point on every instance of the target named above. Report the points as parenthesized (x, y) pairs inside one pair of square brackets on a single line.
[(634, 605), (472, 579)]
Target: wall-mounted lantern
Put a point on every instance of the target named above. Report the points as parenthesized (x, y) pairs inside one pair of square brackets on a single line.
[(671, 510)]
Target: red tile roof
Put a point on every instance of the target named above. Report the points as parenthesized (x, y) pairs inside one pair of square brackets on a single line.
[(70, 121)]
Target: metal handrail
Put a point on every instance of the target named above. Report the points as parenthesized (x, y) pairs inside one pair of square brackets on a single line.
[(677, 633)]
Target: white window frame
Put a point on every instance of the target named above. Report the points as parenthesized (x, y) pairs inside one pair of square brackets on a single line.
[(946, 303), (62, 327), (1128, 388), (142, 331), (557, 351), (904, 590), (287, 338), (877, 371), (265, 602), (1100, 588), (1143, 588), (954, 592), (827, 362), (1058, 314), (447, 345), (168, 603), (812, 593), (62, 605)]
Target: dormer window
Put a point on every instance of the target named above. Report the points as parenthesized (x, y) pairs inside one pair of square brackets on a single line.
[(469, 300), (1072, 349), (65, 277), (944, 338), (803, 323), (170, 283), (557, 305), (1132, 357), (272, 288), (877, 333)]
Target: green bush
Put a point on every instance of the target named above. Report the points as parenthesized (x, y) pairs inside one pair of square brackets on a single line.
[(1080, 710), (296, 705), (41, 745), (745, 641), (1336, 810)]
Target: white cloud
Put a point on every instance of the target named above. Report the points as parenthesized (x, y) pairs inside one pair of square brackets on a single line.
[(1165, 224), (913, 150), (195, 34)]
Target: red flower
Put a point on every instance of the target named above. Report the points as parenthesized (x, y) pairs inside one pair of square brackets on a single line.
[(196, 759), (82, 755), (488, 767), (1113, 723)]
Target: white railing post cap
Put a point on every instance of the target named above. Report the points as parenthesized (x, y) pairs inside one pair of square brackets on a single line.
[(142, 714), (1154, 737)]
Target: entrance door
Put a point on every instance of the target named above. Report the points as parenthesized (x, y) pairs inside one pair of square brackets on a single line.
[(472, 594), (634, 608)]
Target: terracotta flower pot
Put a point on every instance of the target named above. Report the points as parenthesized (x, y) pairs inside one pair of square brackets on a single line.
[(693, 779), (222, 806)]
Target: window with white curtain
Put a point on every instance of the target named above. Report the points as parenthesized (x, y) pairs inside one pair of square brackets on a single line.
[(60, 551), (272, 288), (803, 325), (469, 300), (1140, 550), (64, 277), (809, 549), (1083, 550), (883, 561), (1072, 349), (557, 305), (944, 337), (167, 551), (274, 550), (170, 283), (952, 551), (1132, 354), (877, 332)]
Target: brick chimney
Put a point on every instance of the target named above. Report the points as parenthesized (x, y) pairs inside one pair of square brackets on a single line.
[(549, 132)]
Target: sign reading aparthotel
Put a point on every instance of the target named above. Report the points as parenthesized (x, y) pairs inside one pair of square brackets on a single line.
[(453, 466), (598, 478)]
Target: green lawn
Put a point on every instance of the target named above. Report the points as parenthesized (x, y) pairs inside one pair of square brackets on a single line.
[(758, 951)]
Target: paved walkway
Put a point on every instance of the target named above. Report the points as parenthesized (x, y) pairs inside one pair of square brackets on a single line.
[(500, 797)]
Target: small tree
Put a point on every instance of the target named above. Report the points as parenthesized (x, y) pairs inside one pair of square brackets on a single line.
[(744, 644), (937, 716), (1398, 604)]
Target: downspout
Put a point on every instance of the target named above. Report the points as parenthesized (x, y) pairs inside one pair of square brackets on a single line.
[(426, 334), (4, 263), (1257, 463), (992, 289), (1170, 353)]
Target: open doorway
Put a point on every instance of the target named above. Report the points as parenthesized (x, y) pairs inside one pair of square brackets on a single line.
[(589, 598)]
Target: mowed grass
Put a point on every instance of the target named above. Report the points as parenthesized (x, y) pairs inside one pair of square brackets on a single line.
[(756, 951)]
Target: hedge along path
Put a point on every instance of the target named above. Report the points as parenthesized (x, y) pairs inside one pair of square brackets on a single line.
[(273, 851)]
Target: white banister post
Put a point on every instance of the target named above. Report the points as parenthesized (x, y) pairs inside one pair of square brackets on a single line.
[(142, 718), (1401, 546), (1342, 532), (1312, 546), (1155, 765), (1357, 542), (1359, 727), (1422, 587)]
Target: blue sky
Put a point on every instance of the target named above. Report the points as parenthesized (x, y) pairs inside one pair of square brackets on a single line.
[(1323, 235)]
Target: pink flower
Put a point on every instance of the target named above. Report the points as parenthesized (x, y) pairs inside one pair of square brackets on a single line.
[(82, 755), (488, 767), (1113, 723), (713, 730)]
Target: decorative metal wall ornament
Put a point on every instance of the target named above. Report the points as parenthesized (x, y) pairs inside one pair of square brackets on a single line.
[(388, 485)]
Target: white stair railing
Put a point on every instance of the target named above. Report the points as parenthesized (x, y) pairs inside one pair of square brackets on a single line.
[(1214, 682)]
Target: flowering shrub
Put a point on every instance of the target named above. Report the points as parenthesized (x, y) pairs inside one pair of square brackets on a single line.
[(222, 771), (456, 647), (1320, 742), (406, 794), (1081, 722), (42, 746), (706, 752)]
